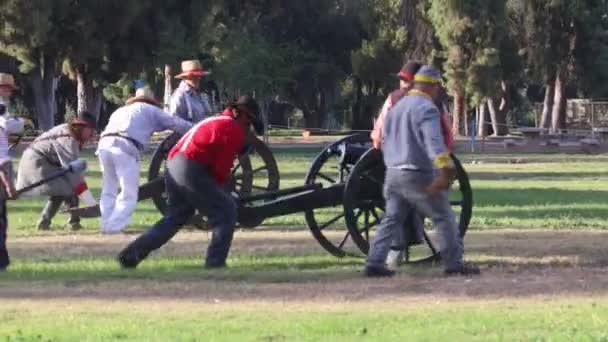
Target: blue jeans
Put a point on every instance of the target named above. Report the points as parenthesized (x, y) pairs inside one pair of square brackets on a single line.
[(405, 191), (190, 187)]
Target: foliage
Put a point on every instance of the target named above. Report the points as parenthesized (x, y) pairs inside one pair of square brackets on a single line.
[(471, 33)]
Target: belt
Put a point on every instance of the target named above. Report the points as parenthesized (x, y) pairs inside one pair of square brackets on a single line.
[(409, 167), (137, 144)]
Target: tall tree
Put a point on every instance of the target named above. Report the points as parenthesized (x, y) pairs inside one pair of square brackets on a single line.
[(31, 32), (471, 33)]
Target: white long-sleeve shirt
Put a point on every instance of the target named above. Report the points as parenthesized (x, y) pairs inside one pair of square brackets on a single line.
[(8, 126), (138, 121)]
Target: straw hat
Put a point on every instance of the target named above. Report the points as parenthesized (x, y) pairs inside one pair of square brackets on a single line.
[(192, 68), (7, 80), (146, 95)]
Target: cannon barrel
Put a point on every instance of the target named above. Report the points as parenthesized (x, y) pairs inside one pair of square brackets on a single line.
[(291, 202)]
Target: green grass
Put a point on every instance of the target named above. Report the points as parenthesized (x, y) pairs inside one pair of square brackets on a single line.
[(562, 320), (548, 191)]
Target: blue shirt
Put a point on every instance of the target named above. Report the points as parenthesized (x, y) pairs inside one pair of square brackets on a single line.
[(412, 136), (188, 104)]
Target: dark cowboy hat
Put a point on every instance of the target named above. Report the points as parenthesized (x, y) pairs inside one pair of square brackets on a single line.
[(409, 69), (249, 105), (85, 119)]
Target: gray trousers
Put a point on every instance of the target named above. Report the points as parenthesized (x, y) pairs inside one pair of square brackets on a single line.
[(190, 188), (53, 205), (404, 191)]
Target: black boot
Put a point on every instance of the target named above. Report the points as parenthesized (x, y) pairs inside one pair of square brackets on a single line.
[(466, 269), (131, 257), (377, 272)]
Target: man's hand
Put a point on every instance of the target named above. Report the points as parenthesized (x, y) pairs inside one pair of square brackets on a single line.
[(442, 181), (27, 122)]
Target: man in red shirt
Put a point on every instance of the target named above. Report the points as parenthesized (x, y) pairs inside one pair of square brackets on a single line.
[(198, 169)]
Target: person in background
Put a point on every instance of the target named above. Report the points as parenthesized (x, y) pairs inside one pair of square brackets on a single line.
[(186, 101), (119, 150)]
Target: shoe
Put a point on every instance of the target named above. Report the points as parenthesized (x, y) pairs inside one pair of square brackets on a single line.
[(377, 272), (130, 258), (394, 259), (43, 225), (465, 269), (75, 226)]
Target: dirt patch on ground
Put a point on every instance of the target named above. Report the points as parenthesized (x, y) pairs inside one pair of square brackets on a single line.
[(515, 264)]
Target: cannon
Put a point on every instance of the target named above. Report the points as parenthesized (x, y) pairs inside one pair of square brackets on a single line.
[(341, 197)]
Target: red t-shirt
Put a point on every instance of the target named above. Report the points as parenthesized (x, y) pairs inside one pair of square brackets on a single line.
[(214, 142)]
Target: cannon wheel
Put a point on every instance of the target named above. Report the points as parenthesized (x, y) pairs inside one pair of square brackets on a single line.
[(253, 171), (327, 170), (364, 203)]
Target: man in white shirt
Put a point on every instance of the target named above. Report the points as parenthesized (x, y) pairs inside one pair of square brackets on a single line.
[(8, 126), (127, 133)]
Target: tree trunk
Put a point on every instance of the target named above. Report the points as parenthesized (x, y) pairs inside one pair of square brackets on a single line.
[(168, 87), (44, 84), (89, 97), (482, 130), (498, 118), (558, 116), (545, 119), (459, 113)]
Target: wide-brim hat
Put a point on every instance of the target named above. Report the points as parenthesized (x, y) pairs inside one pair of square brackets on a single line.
[(192, 68), (146, 95), (85, 119), (408, 71), (247, 103), (7, 80)]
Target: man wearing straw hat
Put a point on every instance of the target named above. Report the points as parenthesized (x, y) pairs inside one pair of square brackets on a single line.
[(418, 175), (8, 126), (186, 100), (127, 133), (47, 154)]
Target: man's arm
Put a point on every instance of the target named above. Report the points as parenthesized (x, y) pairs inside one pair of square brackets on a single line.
[(376, 134), (177, 105), (13, 125), (174, 123), (436, 150)]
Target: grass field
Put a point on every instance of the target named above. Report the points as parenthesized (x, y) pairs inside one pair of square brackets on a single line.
[(538, 232)]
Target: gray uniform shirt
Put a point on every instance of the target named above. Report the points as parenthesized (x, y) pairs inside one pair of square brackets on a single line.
[(46, 155), (138, 121), (187, 104), (412, 137)]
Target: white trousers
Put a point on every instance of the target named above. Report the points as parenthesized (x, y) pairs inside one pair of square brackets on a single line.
[(120, 170)]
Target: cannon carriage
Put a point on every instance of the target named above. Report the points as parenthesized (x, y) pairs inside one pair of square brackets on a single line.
[(341, 197)]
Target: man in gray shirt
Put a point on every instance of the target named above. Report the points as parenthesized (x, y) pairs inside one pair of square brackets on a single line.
[(418, 175), (186, 101)]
